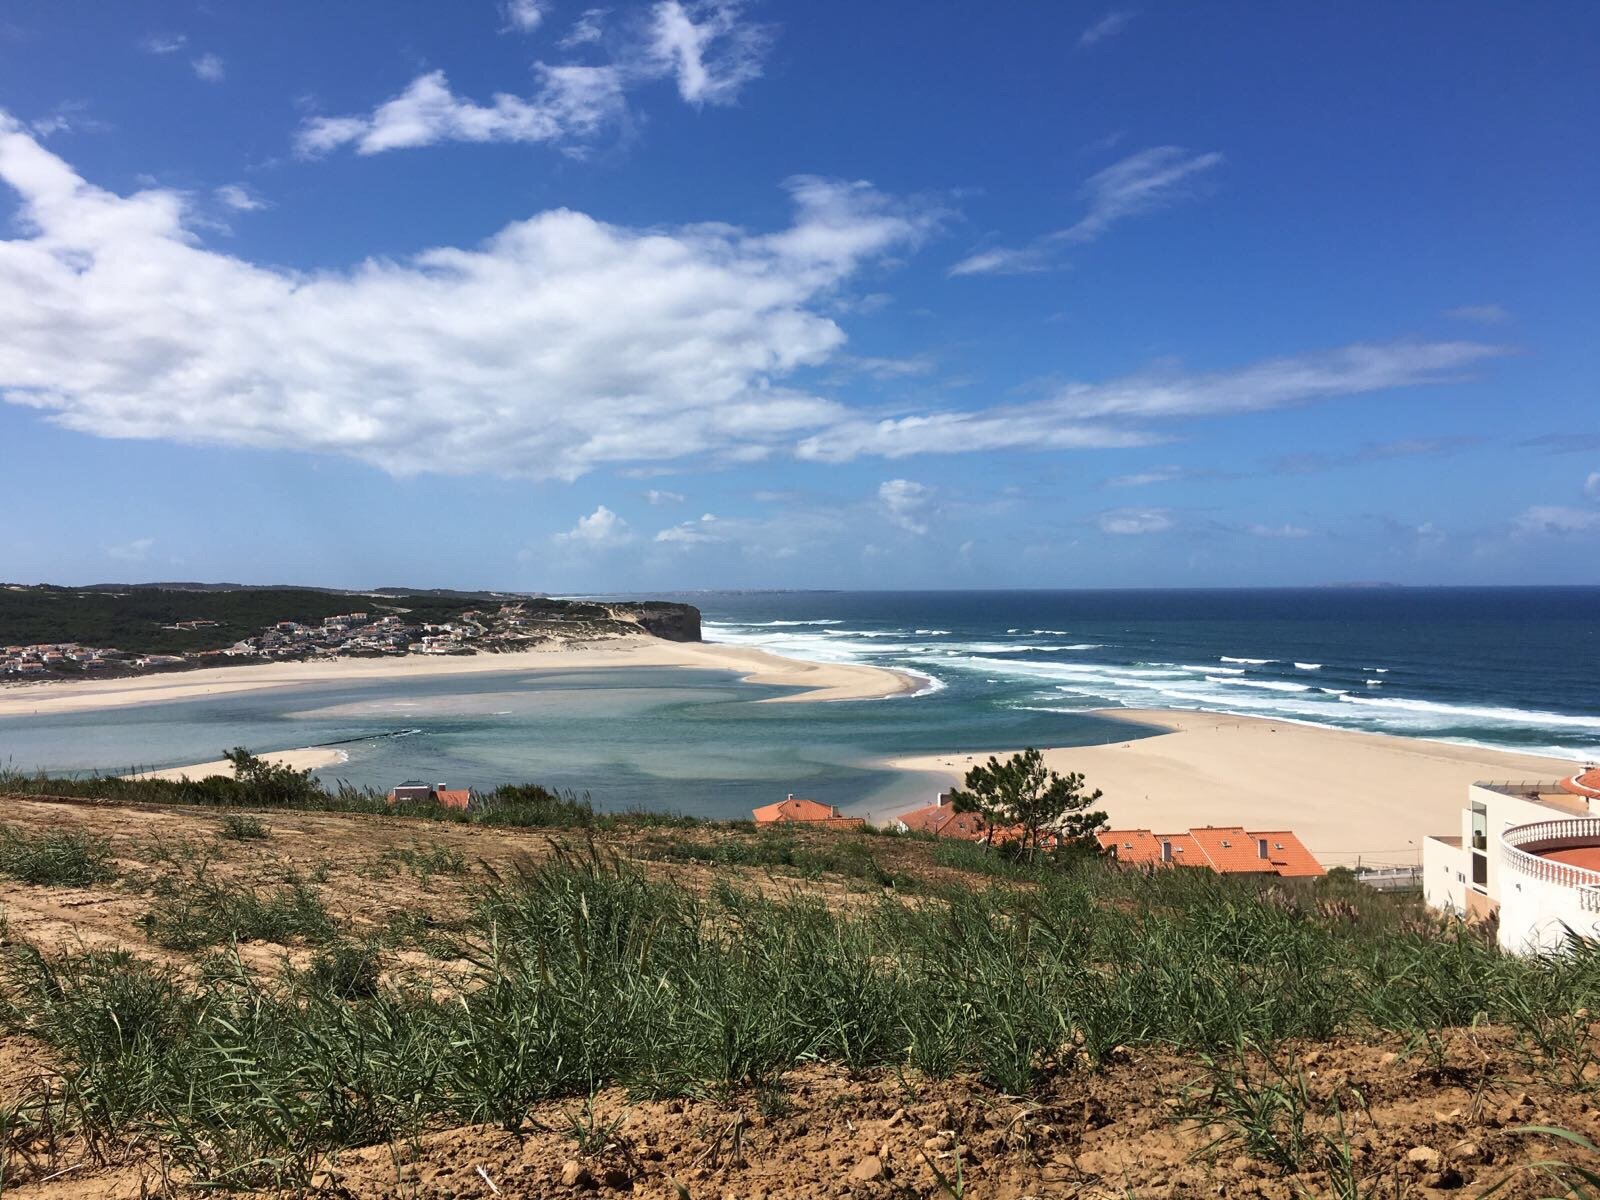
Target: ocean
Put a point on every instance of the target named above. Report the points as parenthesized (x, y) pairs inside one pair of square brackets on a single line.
[(1509, 668)]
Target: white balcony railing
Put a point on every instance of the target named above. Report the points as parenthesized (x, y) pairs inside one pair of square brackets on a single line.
[(1519, 848)]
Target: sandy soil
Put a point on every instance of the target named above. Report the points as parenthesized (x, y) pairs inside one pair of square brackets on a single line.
[(1429, 1124), (312, 758), (1347, 795), (821, 681)]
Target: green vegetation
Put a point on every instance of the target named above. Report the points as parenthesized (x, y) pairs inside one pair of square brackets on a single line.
[(131, 618), (238, 827), (55, 859), (584, 972), (1023, 794), (781, 849)]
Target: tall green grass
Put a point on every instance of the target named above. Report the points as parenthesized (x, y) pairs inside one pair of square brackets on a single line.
[(55, 858), (585, 972)]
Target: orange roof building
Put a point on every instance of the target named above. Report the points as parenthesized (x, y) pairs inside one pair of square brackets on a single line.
[(798, 810), (1585, 783), (1226, 849)]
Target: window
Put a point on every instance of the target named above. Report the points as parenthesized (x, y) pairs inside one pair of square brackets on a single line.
[(1166, 851), (1226, 844), (1261, 847)]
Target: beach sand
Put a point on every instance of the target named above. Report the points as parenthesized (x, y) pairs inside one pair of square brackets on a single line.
[(313, 758), (1349, 796), (821, 681)]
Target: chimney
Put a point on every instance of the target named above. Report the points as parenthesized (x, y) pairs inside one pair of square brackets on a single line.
[(790, 796)]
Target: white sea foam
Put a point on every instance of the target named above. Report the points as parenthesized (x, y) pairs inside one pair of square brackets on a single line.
[(931, 632), (1377, 670), (1459, 713), (1215, 670), (1308, 666), (1254, 662), (770, 624), (1266, 684), (1374, 683)]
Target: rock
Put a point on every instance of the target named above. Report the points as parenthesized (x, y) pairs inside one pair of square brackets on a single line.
[(895, 1118), (575, 1175), (1388, 1058), (1466, 1151), (868, 1169), (1423, 1156), (1444, 1180)]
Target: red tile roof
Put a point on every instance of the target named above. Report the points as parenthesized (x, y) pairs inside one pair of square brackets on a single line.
[(453, 797), (1231, 850), (796, 808), (1584, 783)]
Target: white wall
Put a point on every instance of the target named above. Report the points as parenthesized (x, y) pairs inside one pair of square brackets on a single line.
[(1535, 915), (1445, 871)]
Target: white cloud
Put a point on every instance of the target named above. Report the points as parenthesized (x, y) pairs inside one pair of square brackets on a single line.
[(1480, 314), (163, 43), (1277, 531), (1146, 478), (524, 16), (1085, 416), (600, 529), (705, 46), (692, 533), (1108, 26), (588, 29), (571, 103), (560, 344), (905, 504), (1591, 485), (1142, 182), (134, 551), (659, 496), (1126, 521), (209, 68), (708, 47), (239, 198), (1555, 519)]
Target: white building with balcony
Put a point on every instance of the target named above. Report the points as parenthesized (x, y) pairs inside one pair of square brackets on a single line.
[(1529, 853)]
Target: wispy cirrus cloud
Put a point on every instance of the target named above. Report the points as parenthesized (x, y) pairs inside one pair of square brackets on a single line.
[(1479, 314), (1124, 412), (1140, 183), (1437, 447), (163, 43), (705, 46), (1108, 26), (210, 68), (1128, 522)]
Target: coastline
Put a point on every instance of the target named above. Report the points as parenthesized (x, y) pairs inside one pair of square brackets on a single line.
[(820, 681), (1349, 795), (310, 758)]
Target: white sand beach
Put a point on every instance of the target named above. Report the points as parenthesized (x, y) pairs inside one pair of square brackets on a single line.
[(820, 681), (312, 758), (1348, 795)]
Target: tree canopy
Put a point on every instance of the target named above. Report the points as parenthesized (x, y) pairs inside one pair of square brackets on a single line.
[(1025, 794)]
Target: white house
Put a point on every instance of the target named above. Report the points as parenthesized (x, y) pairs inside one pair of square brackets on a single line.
[(1528, 851)]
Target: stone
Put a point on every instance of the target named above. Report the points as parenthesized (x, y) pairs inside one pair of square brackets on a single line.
[(1423, 1156), (868, 1169), (575, 1175)]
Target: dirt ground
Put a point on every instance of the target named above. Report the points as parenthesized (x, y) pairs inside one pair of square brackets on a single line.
[(1418, 1123)]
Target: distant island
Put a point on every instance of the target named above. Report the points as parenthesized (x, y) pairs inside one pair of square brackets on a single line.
[(50, 632)]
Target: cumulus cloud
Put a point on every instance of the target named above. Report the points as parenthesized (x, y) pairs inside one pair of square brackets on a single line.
[(524, 16), (570, 103), (239, 198), (692, 533), (905, 504), (210, 68), (559, 344), (1108, 26), (1591, 485), (1129, 521), (1084, 415), (1555, 519), (134, 551), (706, 47), (1141, 183), (600, 529)]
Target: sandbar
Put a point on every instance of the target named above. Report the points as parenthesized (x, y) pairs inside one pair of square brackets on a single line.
[(819, 681)]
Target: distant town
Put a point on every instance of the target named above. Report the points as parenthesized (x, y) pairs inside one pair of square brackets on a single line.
[(393, 625)]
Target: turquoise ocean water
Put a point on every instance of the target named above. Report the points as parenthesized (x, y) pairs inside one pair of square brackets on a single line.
[(1510, 668)]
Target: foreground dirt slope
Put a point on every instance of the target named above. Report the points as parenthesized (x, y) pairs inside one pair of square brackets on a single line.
[(1430, 1121)]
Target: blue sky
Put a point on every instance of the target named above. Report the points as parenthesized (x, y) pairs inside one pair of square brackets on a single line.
[(698, 293)]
